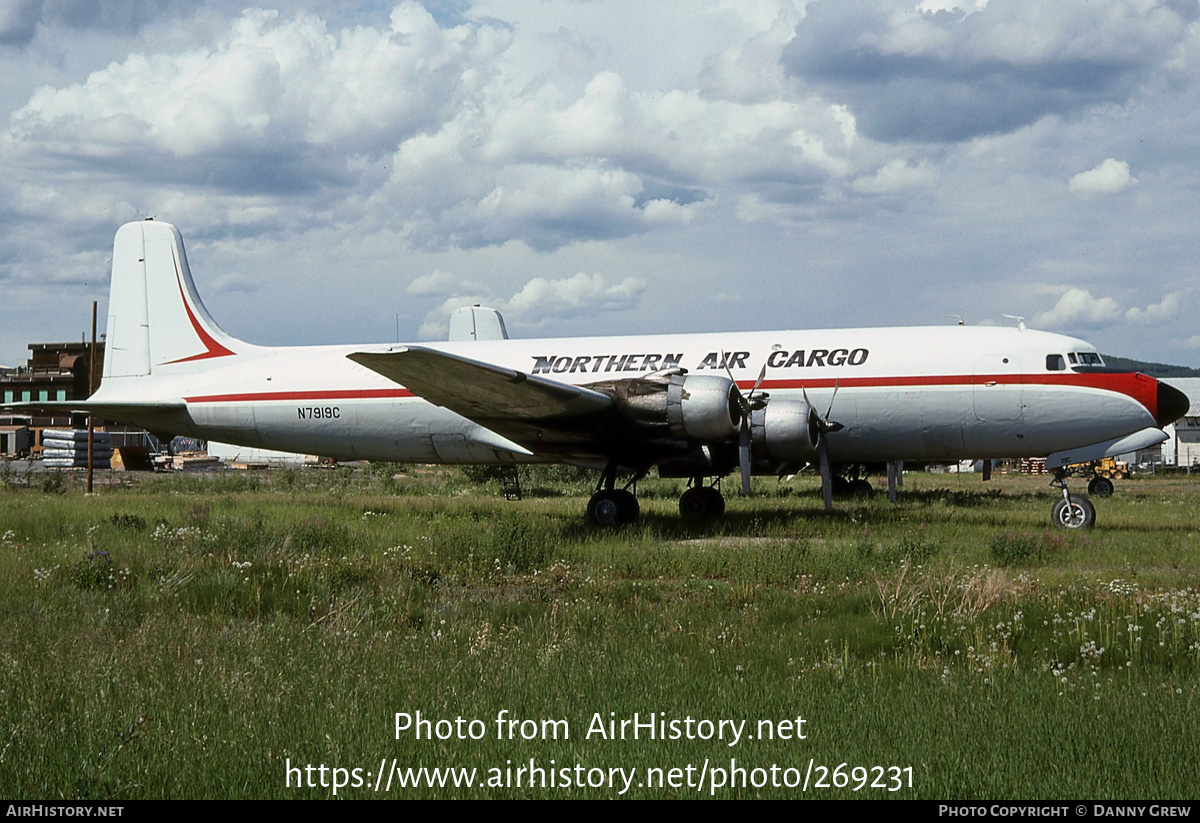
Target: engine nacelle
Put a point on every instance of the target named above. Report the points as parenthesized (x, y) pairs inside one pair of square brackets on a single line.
[(703, 407), (786, 430), (699, 407)]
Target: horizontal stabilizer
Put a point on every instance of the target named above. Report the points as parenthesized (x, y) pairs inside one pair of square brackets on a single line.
[(99, 408), (157, 415), (480, 391)]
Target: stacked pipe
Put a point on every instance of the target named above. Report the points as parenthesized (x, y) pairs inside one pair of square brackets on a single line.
[(68, 448)]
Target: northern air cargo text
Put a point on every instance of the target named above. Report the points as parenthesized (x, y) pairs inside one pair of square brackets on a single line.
[(778, 359)]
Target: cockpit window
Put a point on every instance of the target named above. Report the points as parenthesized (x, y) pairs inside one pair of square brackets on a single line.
[(1074, 360), (1090, 358), (1055, 362)]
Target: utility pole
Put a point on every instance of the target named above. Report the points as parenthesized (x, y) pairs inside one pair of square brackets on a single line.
[(91, 391)]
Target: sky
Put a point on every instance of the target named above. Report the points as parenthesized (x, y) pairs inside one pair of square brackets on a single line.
[(353, 171)]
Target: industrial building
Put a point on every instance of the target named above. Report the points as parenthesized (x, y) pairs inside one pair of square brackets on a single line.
[(1183, 447), (55, 371)]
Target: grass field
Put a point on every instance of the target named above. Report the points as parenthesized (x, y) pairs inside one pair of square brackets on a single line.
[(197, 635)]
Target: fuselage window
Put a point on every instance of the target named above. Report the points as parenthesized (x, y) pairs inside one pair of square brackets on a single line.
[(1055, 362)]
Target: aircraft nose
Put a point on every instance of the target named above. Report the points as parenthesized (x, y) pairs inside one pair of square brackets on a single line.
[(1172, 404)]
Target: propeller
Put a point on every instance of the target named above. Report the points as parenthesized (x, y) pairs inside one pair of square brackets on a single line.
[(825, 426), (749, 404)]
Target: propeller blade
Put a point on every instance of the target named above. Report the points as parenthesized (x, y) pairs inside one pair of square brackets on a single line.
[(832, 397), (742, 401), (826, 480), (758, 400), (744, 455), (762, 375), (823, 423)]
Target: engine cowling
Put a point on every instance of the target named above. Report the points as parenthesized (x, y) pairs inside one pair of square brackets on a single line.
[(786, 430), (703, 407), (698, 407)]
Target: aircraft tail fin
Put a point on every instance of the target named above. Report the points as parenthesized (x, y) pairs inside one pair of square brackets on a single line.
[(156, 320)]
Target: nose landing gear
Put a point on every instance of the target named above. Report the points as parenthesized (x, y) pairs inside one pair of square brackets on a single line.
[(1073, 511)]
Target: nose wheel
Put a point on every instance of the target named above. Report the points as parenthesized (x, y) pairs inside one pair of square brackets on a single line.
[(1073, 511)]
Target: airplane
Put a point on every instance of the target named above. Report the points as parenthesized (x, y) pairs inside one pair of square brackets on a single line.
[(696, 406)]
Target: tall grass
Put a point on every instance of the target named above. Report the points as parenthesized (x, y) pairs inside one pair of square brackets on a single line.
[(189, 636)]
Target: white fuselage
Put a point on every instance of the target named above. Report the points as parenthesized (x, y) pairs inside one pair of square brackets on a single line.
[(928, 393)]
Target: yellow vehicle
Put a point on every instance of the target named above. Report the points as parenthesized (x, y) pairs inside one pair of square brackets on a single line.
[(1103, 472)]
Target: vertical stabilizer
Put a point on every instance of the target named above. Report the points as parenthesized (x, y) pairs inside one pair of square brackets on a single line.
[(127, 344), (155, 316), (477, 323)]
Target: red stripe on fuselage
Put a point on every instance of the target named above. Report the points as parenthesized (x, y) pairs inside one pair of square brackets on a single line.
[(332, 394), (1139, 387)]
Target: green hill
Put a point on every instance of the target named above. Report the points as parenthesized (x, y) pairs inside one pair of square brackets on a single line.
[(1152, 369)]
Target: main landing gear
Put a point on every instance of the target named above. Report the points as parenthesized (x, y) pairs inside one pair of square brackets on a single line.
[(701, 501), (1073, 511), (611, 506), (1100, 486)]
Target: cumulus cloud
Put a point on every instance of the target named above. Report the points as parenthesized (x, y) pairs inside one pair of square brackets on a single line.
[(277, 102), (411, 124), (609, 163), (1110, 177), (437, 282), (1078, 308), (750, 70), (950, 71), (894, 177), (570, 296), (1155, 313), (542, 300)]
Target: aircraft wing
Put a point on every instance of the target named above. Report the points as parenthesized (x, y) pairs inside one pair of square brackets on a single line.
[(481, 391)]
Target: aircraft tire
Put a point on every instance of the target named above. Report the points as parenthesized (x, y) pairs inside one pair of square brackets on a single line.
[(716, 502), (1081, 514), (1100, 487), (860, 490), (628, 503), (613, 507), (701, 502)]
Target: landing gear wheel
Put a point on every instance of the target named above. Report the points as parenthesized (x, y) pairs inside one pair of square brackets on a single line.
[(860, 490), (716, 502), (840, 486), (1100, 487), (700, 502), (612, 507), (1080, 514)]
